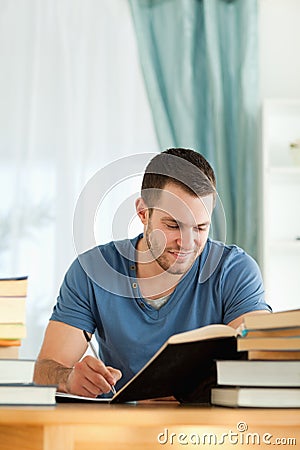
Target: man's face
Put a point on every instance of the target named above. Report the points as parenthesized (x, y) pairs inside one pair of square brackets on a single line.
[(178, 228)]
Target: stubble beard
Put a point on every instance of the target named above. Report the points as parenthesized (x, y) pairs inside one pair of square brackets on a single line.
[(162, 259)]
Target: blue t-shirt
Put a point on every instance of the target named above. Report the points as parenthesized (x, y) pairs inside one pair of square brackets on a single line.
[(100, 293)]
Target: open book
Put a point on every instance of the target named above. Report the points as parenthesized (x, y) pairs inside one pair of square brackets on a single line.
[(184, 367)]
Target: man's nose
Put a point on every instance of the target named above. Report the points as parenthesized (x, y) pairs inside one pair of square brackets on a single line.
[(186, 239)]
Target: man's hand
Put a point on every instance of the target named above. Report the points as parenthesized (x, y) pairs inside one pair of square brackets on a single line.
[(62, 364), (90, 377)]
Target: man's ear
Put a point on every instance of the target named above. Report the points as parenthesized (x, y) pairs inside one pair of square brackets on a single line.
[(142, 210)]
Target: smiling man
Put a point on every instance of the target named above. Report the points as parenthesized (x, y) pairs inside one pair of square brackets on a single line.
[(137, 292)]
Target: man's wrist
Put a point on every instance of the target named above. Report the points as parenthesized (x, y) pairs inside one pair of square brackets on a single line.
[(48, 371), (63, 379)]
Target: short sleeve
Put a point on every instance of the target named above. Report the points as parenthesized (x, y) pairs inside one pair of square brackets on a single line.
[(73, 305), (241, 286)]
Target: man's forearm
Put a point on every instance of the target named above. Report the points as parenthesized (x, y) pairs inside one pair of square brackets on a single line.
[(48, 371)]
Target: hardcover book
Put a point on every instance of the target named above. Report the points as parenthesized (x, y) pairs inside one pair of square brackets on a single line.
[(259, 373), (16, 371), (281, 319), (267, 397), (27, 394), (13, 287)]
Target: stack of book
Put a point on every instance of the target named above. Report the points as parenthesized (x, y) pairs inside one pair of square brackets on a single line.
[(270, 377), (13, 292), (17, 387)]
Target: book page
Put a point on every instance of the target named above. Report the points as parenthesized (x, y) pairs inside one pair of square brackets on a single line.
[(207, 332), (71, 397)]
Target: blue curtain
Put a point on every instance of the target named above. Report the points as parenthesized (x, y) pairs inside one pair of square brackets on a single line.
[(200, 63)]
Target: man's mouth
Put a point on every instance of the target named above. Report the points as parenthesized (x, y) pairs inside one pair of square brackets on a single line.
[(178, 254)]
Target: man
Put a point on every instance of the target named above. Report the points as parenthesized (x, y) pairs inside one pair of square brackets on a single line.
[(136, 293)]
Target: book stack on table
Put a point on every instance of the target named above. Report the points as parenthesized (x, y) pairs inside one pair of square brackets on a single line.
[(271, 375), (13, 293), (16, 375)]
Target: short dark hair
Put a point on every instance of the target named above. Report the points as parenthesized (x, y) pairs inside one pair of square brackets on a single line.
[(183, 167)]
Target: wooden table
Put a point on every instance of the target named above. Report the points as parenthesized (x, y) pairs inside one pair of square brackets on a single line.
[(157, 425)]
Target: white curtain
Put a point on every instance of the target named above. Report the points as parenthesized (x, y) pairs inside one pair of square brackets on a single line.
[(72, 99)]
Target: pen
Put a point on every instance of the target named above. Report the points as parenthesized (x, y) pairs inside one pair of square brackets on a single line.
[(90, 344)]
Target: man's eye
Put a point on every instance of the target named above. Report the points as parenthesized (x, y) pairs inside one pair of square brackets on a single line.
[(173, 227), (202, 228)]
